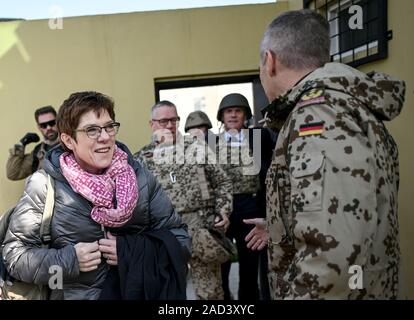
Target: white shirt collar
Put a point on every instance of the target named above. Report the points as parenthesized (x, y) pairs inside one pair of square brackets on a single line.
[(234, 138)]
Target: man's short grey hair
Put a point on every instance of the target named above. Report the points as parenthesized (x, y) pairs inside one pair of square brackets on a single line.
[(299, 39), (163, 103)]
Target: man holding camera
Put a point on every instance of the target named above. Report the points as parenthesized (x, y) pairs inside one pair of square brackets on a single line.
[(20, 165)]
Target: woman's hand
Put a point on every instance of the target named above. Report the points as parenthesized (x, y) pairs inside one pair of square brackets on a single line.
[(258, 237), (108, 249), (89, 256)]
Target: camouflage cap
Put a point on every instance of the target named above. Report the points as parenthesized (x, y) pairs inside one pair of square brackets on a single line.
[(234, 100), (197, 119)]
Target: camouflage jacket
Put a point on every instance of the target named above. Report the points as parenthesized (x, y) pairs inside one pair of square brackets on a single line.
[(332, 187), (193, 184)]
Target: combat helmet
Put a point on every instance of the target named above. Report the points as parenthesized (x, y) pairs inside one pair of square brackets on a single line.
[(234, 100), (197, 119)]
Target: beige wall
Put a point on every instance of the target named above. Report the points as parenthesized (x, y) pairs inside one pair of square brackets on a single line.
[(122, 54), (294, 4)]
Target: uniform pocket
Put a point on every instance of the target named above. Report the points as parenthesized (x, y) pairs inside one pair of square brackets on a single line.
[(307, 176)]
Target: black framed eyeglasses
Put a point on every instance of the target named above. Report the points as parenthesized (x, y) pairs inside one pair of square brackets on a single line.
[(50, 123), (94, 132), (164, 122)]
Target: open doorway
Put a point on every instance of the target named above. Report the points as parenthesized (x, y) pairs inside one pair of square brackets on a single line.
[(205, 95)]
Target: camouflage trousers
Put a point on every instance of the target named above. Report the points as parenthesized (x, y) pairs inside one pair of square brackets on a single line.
[(206, 280), (206, 276)]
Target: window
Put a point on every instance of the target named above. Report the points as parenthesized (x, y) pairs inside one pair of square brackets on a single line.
[(355, 46), (206, 94)]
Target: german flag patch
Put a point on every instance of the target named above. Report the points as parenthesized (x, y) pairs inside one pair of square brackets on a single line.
[(311, 128)]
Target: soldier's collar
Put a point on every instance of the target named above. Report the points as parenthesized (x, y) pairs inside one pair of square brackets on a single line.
[(280, 108)]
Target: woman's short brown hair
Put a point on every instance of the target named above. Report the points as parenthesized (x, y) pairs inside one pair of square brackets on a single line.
[(79, 103)]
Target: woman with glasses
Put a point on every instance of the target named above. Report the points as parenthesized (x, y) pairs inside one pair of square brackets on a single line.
[(107, 209)]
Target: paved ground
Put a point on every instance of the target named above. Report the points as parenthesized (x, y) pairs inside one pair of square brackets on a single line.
[(234, 282)]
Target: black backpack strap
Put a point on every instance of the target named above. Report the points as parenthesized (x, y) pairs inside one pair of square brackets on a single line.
[(35, 163)]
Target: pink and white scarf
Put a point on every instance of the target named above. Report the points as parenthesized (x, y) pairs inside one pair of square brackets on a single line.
[(118, 179)]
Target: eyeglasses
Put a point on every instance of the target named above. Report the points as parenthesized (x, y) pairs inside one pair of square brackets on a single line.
[(50, 123), (94, 132), (164, 122)]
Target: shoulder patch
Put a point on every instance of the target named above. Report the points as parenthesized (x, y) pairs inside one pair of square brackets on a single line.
[(313, 96), (148, 154), (311, 128)]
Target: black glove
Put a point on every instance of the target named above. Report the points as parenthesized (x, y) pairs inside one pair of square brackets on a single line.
[(29, 138)]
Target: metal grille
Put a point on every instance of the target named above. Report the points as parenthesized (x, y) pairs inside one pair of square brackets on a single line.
[(351, 45)]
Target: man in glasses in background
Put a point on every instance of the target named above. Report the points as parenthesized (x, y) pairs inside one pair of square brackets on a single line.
[(200, 192), (20, 165)]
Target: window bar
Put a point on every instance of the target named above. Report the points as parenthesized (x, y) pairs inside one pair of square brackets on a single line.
[(339, 31), (353, 42), (366, 25)]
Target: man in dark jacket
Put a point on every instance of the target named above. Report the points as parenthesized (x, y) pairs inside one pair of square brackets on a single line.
[(236, 146)]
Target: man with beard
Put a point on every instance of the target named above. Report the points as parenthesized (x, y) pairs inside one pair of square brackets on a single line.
[(20, 165)]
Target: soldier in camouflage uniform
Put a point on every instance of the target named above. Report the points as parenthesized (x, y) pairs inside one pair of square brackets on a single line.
[(197, 120), (198, 125), (197, 190), (332, 188)]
